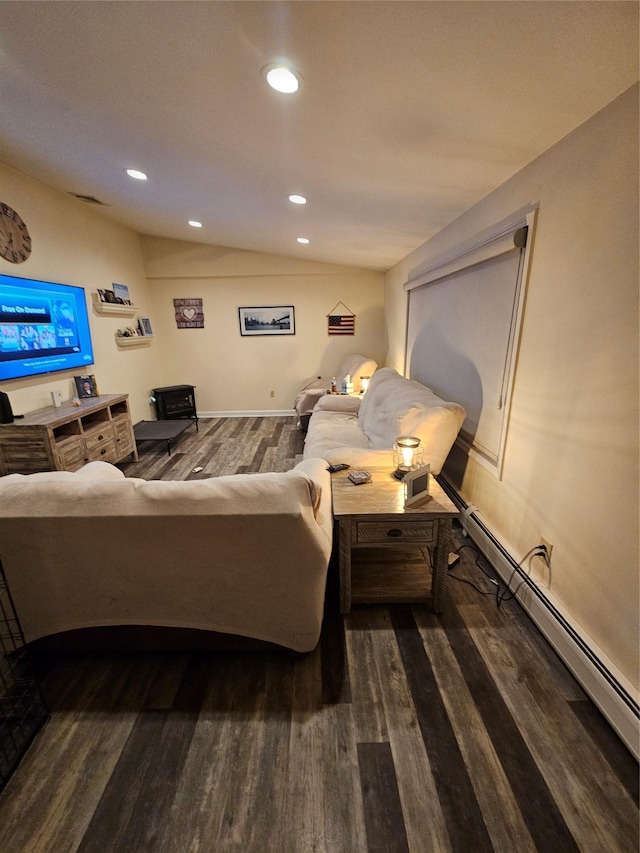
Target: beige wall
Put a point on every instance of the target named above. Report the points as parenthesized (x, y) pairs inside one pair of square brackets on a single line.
[(234, 373), (571, 466), (74, 243)]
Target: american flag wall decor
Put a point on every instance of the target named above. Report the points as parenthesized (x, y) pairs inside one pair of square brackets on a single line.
[(342, 324)]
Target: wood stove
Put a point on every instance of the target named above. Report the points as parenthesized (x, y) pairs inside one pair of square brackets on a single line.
[(176, 401)]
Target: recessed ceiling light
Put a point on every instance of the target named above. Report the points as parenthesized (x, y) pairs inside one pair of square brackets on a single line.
[(195, 224), (282, 79), (304, 240), (135, 173), (297, 199)]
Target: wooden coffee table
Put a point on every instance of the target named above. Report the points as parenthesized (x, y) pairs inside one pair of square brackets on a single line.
[(373, 517)]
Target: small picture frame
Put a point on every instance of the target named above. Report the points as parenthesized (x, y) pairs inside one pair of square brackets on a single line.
[(86, 386), (109, 296), (144, 324), (416, 487), (121, 293)]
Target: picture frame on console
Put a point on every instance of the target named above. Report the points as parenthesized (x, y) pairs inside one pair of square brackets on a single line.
[(267, 320), (86, 386), (416, 487)]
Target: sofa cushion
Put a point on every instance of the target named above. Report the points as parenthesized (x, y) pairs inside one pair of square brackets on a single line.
[(344, 403), (396, 406), (355, 366), (331, 432)]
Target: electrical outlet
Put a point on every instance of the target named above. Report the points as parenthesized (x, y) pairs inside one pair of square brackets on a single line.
[(272, 393), (547, 545)]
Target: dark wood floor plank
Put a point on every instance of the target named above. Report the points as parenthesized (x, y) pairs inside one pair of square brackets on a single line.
[(149, 770), (204, 807), (344, 821), (367, 692), (535, 801), (579, 779), (336, 687), (424, 819), (266, 794), (503, 818), (613, 750), (382, 809), (305, 804), (166, 683), (466, 827), (110, 822)]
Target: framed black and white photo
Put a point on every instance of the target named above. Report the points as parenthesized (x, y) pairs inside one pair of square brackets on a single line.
[(145, 326), (416, 486), (267, 320), (86, 386)]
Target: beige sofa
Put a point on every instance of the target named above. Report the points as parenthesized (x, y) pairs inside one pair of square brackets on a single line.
[(313, 389), (244, 554), (362, 432)]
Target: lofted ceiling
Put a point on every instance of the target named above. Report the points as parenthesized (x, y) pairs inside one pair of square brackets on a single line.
[(408, 114)]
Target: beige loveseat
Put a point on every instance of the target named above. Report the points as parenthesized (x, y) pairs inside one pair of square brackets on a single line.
[(245, 554), (362, 432), (313, 389)]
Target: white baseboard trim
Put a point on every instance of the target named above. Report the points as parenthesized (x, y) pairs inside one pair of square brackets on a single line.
[(609, 689), (265, 413)]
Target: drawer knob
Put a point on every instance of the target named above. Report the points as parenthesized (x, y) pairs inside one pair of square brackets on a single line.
[(100, 437), (394, 532), (103, 451)]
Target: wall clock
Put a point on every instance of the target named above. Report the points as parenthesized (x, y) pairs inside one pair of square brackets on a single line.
[(15, 241)]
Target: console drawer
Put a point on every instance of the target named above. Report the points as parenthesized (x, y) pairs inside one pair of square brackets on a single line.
[(98, 436), (395, 531), (104, 451)]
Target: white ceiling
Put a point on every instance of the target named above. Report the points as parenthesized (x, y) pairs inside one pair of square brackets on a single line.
[(409, 113)]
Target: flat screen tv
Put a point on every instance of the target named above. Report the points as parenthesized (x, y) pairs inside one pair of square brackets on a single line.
[(44, 327)]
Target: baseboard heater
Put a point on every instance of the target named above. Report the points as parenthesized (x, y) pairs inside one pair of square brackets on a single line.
[(589, 665)]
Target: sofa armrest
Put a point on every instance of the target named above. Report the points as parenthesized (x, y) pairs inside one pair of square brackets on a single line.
[(344, 403), (316, 470)]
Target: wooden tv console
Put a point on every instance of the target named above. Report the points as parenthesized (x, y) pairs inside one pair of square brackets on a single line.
[(67, 437)]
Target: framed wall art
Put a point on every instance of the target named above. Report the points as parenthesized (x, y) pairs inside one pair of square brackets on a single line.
[(267, 320)]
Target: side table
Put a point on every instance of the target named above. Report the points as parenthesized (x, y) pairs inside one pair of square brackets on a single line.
[(373, 516)]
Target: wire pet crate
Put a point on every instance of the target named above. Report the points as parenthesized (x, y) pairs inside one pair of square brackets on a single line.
[(23, 709)]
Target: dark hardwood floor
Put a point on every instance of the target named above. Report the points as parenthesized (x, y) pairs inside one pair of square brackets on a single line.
[(402, 731)]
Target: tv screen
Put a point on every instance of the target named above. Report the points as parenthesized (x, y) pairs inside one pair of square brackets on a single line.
[(44, 327)]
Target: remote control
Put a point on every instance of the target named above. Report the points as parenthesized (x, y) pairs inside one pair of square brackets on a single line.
[(341, 466)]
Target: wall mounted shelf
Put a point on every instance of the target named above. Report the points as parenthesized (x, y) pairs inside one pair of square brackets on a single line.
[(114, 309), (139, 341)]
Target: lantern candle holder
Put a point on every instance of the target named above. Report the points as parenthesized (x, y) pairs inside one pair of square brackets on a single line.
[(407, 455)]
